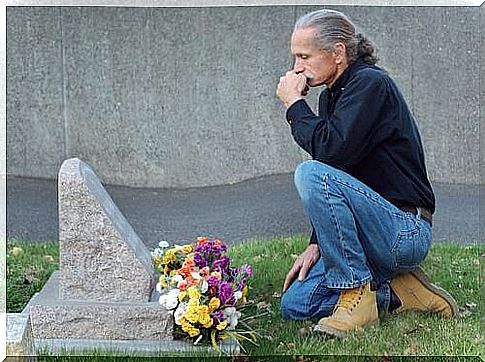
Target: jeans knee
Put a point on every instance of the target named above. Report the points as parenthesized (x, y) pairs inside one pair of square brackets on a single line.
[(303, 176), (309, 176), (288, 308)]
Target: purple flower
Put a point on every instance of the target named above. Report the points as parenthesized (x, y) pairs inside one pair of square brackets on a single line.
[(218, 316), (246, 269), (212, 249), (221, 264), (213, 281), (242, 275), (205, 248), (226, 293), (199, 260)]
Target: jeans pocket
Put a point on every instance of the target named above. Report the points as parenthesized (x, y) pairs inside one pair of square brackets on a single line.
[(409, 250)]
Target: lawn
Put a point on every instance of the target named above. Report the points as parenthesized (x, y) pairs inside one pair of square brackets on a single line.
[(454, 267)]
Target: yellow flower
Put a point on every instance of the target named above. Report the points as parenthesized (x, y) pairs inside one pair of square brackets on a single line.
[(209, 323), (169, 256), (203, 309), (205, 319), (187, 249), (192, 318), (183, 321), (186, 326), (193, 332), (163, 281), (191, 315), (193, 303), (157, 260), (182, 295), (214, 304), (221, 326), (194, 293)]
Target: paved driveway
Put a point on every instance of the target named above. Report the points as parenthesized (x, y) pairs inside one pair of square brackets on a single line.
[(257, 208)]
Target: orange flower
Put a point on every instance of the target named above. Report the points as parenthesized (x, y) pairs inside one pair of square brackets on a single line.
[(191, 282), (202, 240), (182, 285), (183, 271), (204, 271), (189, 264)]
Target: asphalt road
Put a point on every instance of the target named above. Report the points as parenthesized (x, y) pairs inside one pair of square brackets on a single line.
[(259, 208)]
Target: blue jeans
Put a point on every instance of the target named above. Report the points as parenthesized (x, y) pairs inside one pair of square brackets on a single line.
[(362, 237)]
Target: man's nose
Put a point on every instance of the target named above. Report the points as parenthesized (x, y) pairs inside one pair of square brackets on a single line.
[(298, 67)]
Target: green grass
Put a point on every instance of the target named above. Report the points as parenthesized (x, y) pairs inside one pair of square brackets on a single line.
[(28, 271), (453, 267)]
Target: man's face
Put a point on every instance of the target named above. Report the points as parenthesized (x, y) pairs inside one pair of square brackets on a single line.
[(319, 66)]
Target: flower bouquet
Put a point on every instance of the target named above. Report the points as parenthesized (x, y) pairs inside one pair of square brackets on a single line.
[(205, 293)]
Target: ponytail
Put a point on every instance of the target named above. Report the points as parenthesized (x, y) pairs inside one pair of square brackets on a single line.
[(365, 50)]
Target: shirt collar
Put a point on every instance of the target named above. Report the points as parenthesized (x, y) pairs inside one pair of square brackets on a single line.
[(343, 79)]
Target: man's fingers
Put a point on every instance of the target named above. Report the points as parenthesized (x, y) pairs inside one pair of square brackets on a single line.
[(304, 271), (290, 277), (288, 281)]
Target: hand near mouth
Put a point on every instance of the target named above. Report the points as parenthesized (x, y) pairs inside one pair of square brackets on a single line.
[(292, 87)]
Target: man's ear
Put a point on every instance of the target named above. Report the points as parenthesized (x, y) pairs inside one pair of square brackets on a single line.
[(340, 51)]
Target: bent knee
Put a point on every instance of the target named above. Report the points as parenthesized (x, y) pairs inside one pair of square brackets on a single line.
[(309, 176), (293, 308), (298, 306), (303, 301), (305, 169)]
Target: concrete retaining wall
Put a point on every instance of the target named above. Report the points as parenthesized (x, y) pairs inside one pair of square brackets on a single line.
[(179, 97)]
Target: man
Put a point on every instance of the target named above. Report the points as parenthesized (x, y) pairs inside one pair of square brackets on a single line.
[(366, 189)]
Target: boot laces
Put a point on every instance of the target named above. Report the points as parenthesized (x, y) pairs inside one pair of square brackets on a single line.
[(350, 298)]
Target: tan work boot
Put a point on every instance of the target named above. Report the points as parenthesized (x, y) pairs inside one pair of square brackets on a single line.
[(416, 292), (355, 308)]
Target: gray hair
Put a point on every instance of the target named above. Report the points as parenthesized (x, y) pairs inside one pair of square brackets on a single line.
[(332, 27)]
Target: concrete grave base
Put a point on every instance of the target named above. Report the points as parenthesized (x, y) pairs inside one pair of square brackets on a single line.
[(136, 348), (53, 317), (135, 329), (20, 341)]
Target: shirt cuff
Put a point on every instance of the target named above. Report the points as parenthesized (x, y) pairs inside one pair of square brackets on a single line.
[(313, 238), (296, 110)]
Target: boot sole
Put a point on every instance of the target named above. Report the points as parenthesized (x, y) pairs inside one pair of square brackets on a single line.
[(329, 331), (320, 328), (421, 275)]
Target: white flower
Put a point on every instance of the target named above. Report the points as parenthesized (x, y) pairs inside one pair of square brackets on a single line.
[(170, 299), (204, 287), (229, 311), (231, 315), (157, 252), (179, 312), (238, 295), (163, 300), (163, 244), (159, 287), (196, 276), (178, 247), (177, 278)]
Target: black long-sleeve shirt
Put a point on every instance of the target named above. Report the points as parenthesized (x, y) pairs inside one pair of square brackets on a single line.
[(365, 128)]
